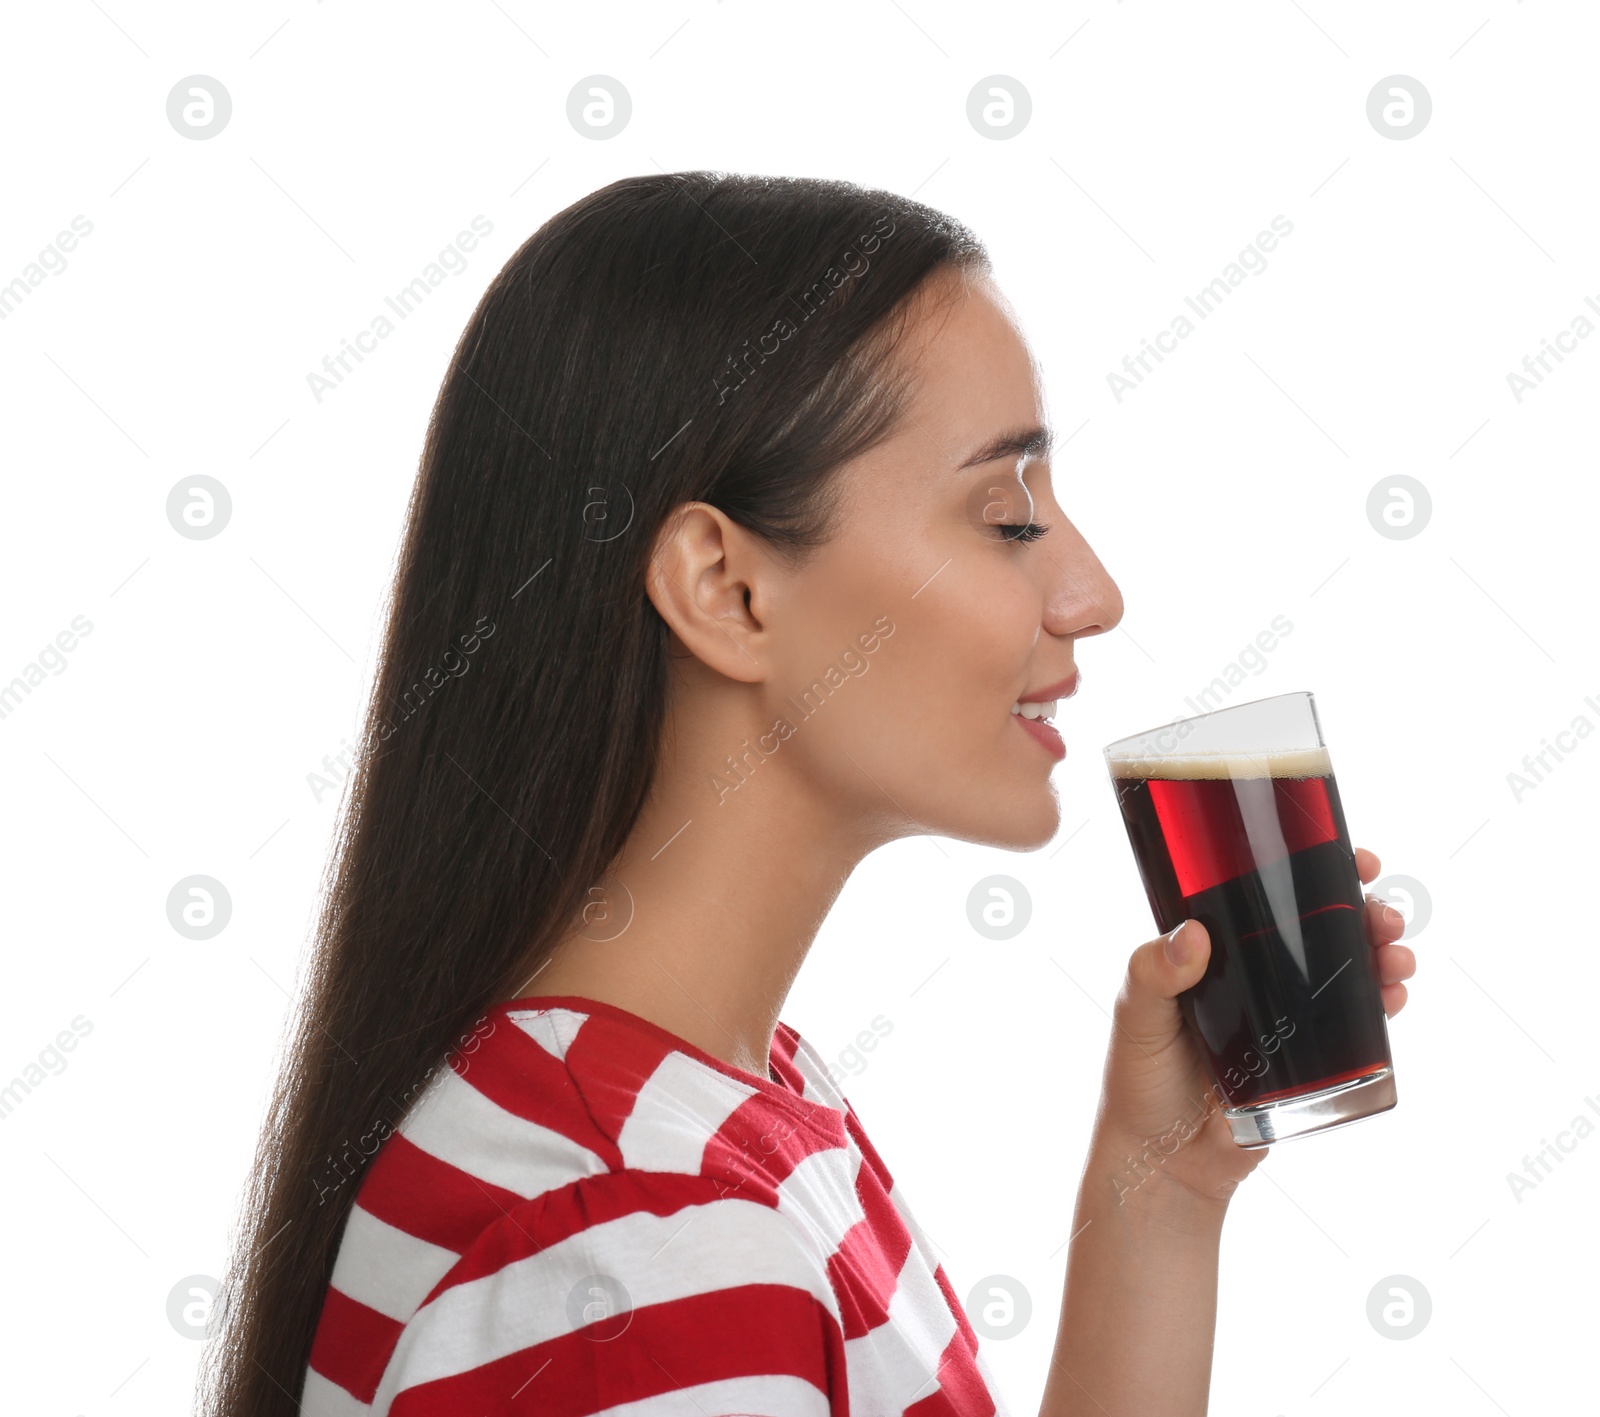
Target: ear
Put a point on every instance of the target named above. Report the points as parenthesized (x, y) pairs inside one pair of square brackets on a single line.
[(705, 577)]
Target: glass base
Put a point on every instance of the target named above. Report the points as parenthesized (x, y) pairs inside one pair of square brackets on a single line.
[(1291, 1117)]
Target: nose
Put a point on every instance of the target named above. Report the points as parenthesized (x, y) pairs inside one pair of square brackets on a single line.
[(1082, 598)]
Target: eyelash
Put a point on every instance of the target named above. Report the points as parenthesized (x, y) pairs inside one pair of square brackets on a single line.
[(1025, 531)]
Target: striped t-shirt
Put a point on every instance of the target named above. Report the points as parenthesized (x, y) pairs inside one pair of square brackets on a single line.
[(587, 1214)]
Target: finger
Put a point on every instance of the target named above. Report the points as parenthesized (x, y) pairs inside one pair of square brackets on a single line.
[(1158, 971), (1394, 962), (1382, 921), (1394, 998), (1367, 865)]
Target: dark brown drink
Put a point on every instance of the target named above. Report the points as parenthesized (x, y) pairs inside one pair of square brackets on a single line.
[(1255, 848)]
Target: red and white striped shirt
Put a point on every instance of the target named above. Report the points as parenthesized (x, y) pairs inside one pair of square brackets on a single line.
[(586, 1214)]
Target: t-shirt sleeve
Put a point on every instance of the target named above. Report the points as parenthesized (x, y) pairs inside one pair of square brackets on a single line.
[(662, 1294)]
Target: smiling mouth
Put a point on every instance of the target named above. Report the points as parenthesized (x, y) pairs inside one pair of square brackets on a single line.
[(1034, 720), (1045, 710), (1034, 713)]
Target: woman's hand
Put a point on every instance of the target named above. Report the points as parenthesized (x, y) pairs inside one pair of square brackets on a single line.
[(1160, 1122)]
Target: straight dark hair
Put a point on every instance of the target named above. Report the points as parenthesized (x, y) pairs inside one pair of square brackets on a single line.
[(688, 336)]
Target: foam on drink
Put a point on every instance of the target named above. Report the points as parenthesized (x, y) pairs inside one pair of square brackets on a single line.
[(1189, 767)]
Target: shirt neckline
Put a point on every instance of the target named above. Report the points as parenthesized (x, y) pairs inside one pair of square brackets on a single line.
[(781, 1089)]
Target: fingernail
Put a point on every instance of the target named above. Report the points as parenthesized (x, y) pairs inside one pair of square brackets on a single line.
[(1392, 917), (1177, 947)]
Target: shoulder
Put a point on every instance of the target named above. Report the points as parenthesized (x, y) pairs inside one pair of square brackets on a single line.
[(623, 1287), (571, 1180)]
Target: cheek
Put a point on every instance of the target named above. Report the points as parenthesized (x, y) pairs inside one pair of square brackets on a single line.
[(962, 622), (962, 650), (985, 624)]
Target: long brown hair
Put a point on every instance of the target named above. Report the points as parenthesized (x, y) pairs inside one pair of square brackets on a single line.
[(670, 338)]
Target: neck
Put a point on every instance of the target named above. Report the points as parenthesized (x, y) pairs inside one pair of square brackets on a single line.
[(709, 911)]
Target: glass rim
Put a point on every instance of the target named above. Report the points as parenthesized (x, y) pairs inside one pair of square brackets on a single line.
[(1307, 694)]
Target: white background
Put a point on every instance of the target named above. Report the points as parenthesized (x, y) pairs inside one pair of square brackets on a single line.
[(1230, 487)]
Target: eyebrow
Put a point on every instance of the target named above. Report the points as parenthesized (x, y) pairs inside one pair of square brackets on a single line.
[(1034, 442)]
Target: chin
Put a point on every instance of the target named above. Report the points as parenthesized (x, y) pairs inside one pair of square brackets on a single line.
[(1022, 822)]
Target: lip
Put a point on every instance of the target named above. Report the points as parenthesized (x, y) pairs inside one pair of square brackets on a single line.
[(1044, 735), (1062, 689)]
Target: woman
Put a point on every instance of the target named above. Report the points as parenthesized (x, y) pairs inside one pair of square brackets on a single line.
[(733, 556)]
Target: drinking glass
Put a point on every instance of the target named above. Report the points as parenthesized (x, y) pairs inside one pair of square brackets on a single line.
[(1235, 821)]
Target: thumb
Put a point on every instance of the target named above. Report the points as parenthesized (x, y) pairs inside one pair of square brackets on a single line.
[(1157, 973)]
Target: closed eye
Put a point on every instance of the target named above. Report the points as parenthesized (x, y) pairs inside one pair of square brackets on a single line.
[(1021, 531)]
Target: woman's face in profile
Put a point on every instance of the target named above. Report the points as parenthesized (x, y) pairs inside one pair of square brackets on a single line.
[(921, 725)]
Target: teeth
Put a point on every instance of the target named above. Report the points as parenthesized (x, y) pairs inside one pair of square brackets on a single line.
[(1044, 710)]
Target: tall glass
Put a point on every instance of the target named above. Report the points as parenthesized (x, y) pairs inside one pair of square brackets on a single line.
[(1236, 822)]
